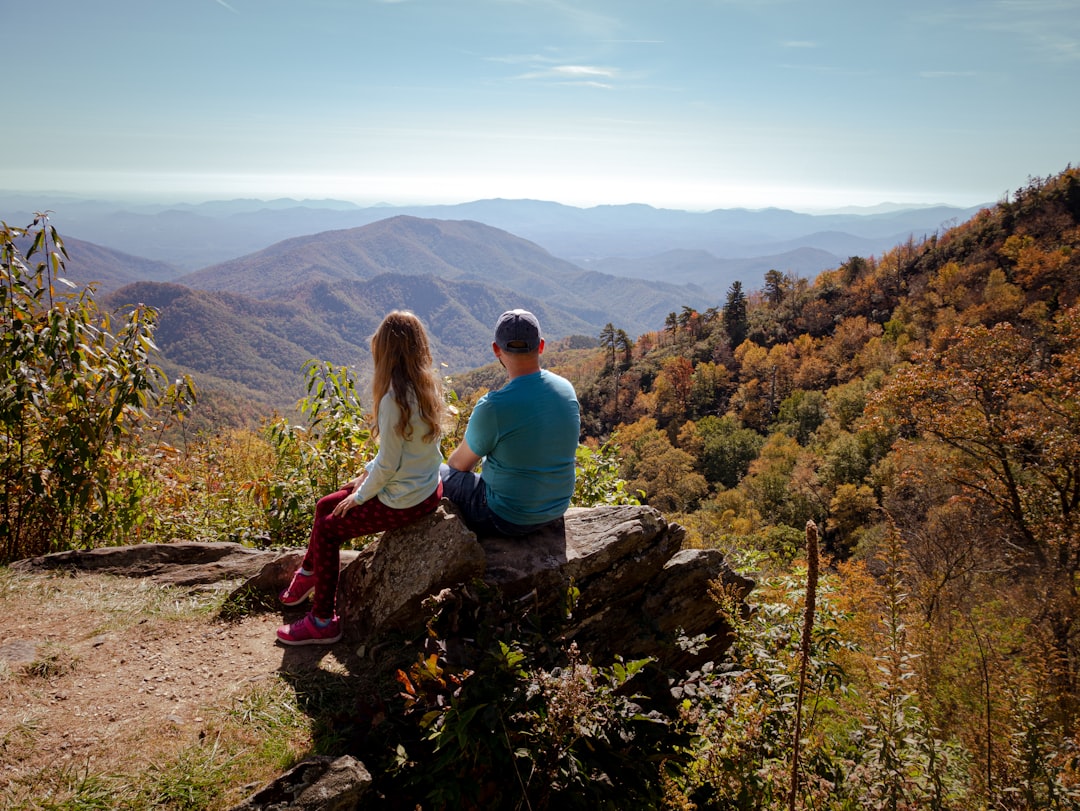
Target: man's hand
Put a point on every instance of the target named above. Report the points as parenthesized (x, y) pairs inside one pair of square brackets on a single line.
[(463, 458)]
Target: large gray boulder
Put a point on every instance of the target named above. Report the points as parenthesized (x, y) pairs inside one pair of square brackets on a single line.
[(382, 590), (630, 588)]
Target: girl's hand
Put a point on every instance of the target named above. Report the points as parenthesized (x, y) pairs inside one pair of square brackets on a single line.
[(347, 503), (343, 507), (353, 484)]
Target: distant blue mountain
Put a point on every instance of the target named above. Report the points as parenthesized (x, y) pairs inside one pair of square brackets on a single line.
[(196, 236), (457, 251)]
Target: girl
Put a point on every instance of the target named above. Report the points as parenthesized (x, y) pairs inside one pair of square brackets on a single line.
[(398, 486)]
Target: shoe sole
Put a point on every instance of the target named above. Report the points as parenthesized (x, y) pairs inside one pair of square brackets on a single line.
[(320, 641), (298, 600)]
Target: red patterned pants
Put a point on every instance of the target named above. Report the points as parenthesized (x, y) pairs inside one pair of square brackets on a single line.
[(328, 532)]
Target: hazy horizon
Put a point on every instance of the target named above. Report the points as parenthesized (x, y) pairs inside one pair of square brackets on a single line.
[(149, 200)]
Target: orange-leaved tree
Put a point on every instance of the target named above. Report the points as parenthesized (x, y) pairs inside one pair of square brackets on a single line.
[(1004, 404)]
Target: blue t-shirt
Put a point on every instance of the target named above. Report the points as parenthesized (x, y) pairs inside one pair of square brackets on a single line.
[(527, 433)]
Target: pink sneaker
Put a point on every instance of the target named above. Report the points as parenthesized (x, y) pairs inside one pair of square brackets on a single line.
[(306, 632), (300, 589)]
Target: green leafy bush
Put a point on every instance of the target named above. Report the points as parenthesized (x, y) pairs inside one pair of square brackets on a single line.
[(77, 400), (492, 714), (598, 480), (314, 459)]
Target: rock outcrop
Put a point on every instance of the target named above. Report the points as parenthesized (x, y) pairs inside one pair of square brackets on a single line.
[(631, 588), (383, 588), (181, 564), (634, 590)]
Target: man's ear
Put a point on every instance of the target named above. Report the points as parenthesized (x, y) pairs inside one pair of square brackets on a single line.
[(540, 350)]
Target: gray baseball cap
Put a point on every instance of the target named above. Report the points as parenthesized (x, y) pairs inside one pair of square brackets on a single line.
[(517, 331)]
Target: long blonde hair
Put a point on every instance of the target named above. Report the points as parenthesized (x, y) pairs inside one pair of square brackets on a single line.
[(403, 364)]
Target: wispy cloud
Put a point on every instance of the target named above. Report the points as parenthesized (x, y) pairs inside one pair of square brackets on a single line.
[(799, 43), (588, 75), (525, 59), (572, 71), (226, 5), (584, 37), (1048, 29), (584, 21)]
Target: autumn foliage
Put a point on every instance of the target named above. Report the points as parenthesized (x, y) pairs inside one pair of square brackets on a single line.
[(930, 396)]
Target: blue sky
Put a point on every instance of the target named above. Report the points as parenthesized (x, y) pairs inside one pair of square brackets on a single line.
[(694, 104)]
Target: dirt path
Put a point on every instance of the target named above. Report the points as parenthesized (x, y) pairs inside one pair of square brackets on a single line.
[(107, 674)]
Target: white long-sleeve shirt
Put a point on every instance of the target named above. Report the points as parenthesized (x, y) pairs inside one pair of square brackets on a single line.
[(403, 472)]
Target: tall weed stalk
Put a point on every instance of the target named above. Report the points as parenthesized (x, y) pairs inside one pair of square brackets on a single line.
[(812, 563)]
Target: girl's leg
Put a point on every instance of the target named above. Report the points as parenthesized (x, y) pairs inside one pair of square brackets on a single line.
[(317, 557), (323, 556), (329, 532)]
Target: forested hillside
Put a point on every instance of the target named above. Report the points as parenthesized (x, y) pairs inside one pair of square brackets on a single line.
[(459, 252), (248, 354), (809, 371), (923, 408), (244, 329)]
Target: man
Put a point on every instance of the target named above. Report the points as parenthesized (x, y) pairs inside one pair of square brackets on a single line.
[(526, 434)]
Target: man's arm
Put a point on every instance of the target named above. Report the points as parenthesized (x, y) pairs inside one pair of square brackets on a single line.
[(463, 458)]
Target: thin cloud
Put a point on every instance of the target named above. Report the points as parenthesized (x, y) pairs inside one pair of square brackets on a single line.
[(1048, 29), (578, 71), (799, 43), (583, 75), (520, 59), (585, 21), (226, 5)]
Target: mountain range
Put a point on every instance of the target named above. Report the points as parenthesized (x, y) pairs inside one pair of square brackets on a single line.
[(250, 324), (732, 242), (247, 324)]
